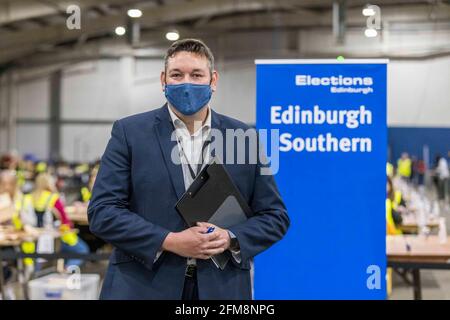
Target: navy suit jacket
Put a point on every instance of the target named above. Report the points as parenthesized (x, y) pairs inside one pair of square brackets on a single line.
[(132, 208)]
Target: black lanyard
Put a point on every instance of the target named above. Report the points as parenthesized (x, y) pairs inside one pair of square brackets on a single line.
[(200, 164)]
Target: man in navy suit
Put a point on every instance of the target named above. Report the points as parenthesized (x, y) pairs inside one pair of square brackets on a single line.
[(156, 255)]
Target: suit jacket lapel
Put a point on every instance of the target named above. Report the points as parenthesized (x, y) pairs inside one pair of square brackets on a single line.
[(164, 129), (219, 150)]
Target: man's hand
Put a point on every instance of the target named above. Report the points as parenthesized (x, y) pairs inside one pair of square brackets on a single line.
[(223, 234), (196, 243)]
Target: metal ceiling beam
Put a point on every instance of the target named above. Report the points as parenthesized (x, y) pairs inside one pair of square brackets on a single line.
[(260, 12), (14, 11), (308, 18), (152, 17)]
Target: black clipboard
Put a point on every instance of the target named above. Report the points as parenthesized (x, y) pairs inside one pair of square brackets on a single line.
[(213, 197)]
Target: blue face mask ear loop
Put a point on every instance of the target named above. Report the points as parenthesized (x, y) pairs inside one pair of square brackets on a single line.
[(210, 81)]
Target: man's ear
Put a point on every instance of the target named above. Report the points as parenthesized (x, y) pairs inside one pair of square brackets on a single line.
[(163, 80), (214, 79)]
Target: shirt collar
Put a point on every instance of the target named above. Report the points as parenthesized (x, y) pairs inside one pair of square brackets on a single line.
[(179, 124)]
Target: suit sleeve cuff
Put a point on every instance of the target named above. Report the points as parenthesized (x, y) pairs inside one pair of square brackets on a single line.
[(235, 251)]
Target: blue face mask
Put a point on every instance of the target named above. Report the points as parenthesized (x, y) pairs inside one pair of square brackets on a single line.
[(188, 98)]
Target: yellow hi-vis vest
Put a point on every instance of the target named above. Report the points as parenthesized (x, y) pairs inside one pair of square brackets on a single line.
[(397, 199), (404, 167), (68, 236), (41, 167), (47, 201), (389, 170), (85, 194), (391, 229), (18, 205), (28, 247)]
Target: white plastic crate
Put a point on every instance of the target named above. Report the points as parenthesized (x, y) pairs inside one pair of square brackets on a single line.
[(65, 287)]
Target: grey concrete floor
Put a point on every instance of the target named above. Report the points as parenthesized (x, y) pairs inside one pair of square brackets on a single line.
[(435, 286)]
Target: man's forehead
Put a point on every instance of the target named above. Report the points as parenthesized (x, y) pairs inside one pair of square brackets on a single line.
[(187, 61)]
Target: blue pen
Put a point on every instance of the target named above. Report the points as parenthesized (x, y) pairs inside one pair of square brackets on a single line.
[(210, 229)]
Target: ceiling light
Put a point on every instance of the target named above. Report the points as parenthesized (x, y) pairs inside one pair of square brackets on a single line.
[(134, 13), (172, 35), (370, 33), (120, 31), (368, 12)]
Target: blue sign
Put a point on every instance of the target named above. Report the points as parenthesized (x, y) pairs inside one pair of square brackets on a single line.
[(332, 137)]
